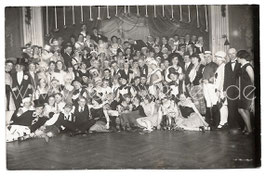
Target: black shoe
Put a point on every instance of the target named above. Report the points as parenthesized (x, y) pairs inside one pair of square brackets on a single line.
[(225, 126), (202, 129)]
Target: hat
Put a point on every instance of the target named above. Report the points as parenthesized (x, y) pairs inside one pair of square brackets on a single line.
[(25, 100), (220, 54), (9, 61), (153, 62), (165, 49), (171, 39), (21, 61), (173, 72), (94, 51), (84, 74), (38, 103), (47, 48), (68, 105), (76, 80), (92, 70), (55, 43), (207, 52), (144, 48), (97, 80)]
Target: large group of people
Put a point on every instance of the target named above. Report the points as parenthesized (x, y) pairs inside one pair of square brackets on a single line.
[(89, 83)]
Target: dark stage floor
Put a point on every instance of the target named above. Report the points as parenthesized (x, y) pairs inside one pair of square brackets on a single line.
[(160, 149)]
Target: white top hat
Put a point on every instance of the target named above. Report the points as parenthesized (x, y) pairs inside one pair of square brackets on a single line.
[(26, 100), (207, 52), (220, 54), (93, 51), (47, 48)]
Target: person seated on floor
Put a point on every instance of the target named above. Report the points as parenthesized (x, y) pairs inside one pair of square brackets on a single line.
[(110, 109), (27, 123), (129, 118), (125, 106), (170, 113), (84, 119), (50, 106), (99, 115), (26, 105), (59, 122), (189, 117), (153, 115)]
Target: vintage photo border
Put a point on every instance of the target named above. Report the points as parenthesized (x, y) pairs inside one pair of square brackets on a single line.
[(242, 172)]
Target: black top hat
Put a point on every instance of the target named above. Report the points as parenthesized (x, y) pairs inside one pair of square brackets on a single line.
[(173, 72), (76, 80), (21, 61), (38, 103)]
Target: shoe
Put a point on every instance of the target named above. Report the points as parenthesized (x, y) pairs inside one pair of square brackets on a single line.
[(248, 133), (225, 126), (202, 129), (46, 138)]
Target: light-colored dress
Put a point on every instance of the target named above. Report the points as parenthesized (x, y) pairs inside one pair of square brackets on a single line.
[(152, 119), (189, 119)]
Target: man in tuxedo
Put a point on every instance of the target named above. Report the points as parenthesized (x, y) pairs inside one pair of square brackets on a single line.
[(67, 55), (187, 67), (83, 116), (21, 85), (33, 76), (230, 87)]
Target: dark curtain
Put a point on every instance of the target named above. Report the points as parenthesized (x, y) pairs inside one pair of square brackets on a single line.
[(156, 26)]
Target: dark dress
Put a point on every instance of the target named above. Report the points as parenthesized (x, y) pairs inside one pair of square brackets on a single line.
[(185, 111), (246, 87)]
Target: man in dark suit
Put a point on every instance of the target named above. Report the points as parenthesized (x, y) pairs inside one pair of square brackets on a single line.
[(83, 116), (67, 55), (187, 67), (231, 79), (33, 76), (21, 87), (150, 42)]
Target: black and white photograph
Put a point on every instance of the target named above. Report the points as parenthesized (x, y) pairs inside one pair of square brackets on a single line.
[(163, 86)]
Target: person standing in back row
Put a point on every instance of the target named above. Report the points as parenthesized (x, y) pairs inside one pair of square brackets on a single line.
[(230, 88), (246, 102)]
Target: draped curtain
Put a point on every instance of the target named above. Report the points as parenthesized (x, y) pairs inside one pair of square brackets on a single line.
[(32, 25), (125, 27), (127, 24), (219, 28)]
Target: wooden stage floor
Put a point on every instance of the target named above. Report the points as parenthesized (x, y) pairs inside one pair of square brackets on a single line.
[(158, 150)]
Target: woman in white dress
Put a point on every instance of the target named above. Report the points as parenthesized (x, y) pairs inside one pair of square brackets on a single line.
[(60, 73), (153, 113), (154, 78)]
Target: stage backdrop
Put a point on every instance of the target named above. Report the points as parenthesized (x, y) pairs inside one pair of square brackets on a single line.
[(128, 21), (13, 32)]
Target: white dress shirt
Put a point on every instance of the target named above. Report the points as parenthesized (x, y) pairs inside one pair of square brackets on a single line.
[(233, 64), (20, 77)]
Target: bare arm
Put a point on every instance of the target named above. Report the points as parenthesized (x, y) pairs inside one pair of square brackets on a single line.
[(250, 73)]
